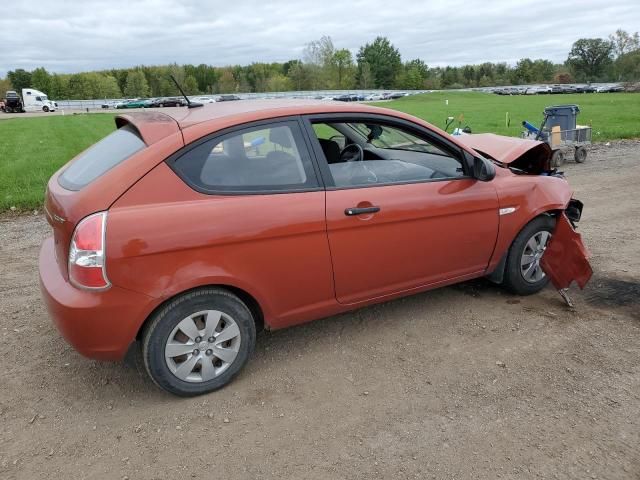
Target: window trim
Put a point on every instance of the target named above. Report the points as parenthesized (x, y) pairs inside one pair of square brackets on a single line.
[(304, 149), (396, 122)]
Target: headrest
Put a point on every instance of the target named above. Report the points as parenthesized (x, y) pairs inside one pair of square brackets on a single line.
[(280, 136), (234, 147)]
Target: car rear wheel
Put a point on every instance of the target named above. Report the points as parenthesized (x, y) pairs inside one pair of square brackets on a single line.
[(523, 273), (198, 342), (45, 108), (581, 155)]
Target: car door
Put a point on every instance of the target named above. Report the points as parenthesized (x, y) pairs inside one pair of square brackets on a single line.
[(406, 221)]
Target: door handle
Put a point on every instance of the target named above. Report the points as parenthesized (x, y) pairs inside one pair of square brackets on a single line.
[(360, 210)]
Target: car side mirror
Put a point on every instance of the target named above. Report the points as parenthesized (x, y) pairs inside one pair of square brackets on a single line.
[(483, 169)]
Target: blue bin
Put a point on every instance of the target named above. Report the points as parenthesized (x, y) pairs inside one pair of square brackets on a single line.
[(564, 116)]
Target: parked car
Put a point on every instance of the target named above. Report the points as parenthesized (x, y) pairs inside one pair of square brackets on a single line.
[(538, 90), (227, 98), (168, 102), (569, 89), (110, 104), (190, 231), (508, 91), (138, 103), (373, 97), (205, 100)]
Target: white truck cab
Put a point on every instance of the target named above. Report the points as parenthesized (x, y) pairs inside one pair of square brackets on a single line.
[(36, 101)]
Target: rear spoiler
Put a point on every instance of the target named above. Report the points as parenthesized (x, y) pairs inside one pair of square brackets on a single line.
[(151, 126)]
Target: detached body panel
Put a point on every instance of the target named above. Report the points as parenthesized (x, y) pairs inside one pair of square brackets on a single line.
[(566, 259)]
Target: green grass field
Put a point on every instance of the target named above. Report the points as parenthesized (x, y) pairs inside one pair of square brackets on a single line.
[(612, 115), (31, 149)]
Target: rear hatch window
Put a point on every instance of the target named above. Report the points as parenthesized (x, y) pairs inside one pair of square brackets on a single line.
[(101, 157)]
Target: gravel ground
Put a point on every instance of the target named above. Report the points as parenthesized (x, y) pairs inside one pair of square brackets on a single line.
[(461, 382)]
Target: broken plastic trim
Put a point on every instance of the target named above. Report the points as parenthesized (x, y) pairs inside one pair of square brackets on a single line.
[(574, 211)]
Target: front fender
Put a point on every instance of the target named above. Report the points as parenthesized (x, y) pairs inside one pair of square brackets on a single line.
[(523, 198)]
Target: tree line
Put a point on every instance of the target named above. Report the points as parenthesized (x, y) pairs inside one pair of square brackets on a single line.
[(377, 65)]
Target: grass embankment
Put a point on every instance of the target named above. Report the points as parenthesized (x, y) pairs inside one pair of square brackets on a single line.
[(31, 149)]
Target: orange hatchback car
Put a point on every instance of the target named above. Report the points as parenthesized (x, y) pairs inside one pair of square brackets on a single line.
[(186, 232)]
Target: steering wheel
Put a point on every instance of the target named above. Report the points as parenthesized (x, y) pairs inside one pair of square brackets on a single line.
[(352, 153)]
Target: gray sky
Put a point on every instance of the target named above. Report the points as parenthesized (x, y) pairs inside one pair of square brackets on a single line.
[(72, 36)]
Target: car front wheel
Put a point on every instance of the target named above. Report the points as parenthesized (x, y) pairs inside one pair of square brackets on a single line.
[(523, 274), (198, 342)]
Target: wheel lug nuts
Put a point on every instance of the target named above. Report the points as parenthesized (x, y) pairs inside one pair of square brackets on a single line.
[(196, 351), (198, 339), (209, 352), (211, 339)]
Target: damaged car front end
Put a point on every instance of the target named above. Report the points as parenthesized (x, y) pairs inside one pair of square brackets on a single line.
[(564, 258)]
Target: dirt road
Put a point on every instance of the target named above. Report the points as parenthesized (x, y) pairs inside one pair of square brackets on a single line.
[(462, 382)]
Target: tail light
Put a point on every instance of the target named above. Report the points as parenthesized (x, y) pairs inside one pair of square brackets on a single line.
[(87, 253)]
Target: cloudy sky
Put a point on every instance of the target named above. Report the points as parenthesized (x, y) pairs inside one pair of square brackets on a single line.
[(72, 36)]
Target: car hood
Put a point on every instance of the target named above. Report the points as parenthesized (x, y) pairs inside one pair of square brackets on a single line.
[(531, 156)]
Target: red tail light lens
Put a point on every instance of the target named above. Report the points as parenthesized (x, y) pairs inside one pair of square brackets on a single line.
[(87, 253)]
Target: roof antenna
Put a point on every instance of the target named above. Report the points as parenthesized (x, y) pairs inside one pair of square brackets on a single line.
[(190, 104)]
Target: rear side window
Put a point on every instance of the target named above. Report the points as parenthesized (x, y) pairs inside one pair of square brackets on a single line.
[(265, 158), (101, 157)]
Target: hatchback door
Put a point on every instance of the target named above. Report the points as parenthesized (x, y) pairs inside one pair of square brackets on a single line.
[(93, 180), (404, 217)]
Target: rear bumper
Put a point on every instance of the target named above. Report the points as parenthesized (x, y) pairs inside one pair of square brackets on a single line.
[(100, 325)]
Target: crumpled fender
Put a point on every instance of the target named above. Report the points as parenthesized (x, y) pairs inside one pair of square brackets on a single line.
[(566, 259)]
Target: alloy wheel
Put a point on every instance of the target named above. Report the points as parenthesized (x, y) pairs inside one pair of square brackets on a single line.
[(202, 346), (530, 261)]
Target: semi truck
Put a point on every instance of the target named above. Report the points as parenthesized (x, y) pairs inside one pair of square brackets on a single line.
[(32, 100)]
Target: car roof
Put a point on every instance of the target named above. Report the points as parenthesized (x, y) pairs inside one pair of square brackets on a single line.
[(263, 108), (194, 122)]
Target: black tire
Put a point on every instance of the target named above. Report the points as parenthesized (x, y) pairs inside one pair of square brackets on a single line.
[(45, 109), (557, 159), (156, 334), (514, 280), (581, 155)]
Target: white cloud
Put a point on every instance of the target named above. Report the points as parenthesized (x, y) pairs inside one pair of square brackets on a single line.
[(70, 36)]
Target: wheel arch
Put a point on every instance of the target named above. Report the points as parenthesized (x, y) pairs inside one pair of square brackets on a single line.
[(249, 300), (497, 274)]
